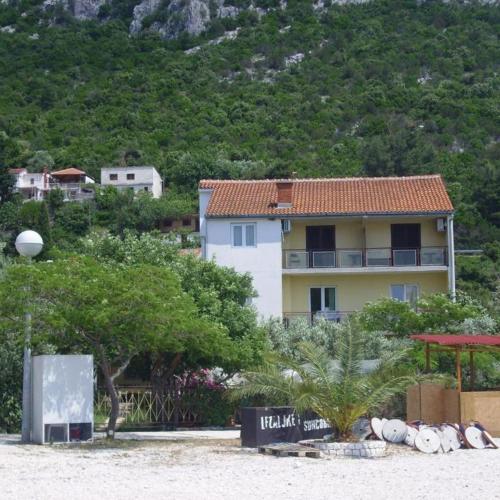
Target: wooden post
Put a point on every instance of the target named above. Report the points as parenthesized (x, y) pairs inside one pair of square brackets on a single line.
[(427, 357), (458, 369), (472, 374)]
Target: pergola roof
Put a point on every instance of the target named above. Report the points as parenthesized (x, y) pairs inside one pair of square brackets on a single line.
[(458, 340), (68, 171)]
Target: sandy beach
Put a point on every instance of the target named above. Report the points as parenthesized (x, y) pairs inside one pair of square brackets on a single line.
[(209, 466)]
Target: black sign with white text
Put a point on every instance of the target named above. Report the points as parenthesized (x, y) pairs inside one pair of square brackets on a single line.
[(264, 425)]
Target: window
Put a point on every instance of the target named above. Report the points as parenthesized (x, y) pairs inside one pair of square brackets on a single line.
[(130, 177), (186, 221), (113, 177), (32, 181), (243, 235), (322, 299), (146, 188), (405, 293)]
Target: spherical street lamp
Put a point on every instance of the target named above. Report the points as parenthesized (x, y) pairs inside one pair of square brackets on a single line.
[(29, 243)]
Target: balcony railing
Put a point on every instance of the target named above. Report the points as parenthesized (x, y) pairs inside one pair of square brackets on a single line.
[(367, 257), (310, 317), (74, 190)]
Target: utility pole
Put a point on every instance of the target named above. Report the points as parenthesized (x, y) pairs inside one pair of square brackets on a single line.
[(28, 244)]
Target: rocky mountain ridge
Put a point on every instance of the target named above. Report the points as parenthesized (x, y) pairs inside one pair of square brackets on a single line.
[(171, 18)]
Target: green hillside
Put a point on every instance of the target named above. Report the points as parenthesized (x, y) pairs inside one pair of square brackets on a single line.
[(385, 88)]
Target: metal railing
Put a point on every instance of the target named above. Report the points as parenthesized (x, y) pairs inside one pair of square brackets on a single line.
[(311, 317), (73, 191), (142, 405), (366, 257)]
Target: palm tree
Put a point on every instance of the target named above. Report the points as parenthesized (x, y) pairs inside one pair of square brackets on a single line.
[(338, 390)]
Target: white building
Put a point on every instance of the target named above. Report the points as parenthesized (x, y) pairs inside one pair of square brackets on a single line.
[(35, 186), (137, 178), (31, 186), (326, 247)]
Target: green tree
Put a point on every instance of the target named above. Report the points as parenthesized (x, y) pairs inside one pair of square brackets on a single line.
[(55, 200), (39, 161), (35, 215), (11, 366), (432, 313), (7, 182), (220, 294), (113, 312), (73, 219)]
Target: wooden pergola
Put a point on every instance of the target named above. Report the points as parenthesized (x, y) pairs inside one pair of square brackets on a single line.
[(458, 344)]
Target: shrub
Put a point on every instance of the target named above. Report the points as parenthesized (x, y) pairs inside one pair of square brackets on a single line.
[(286, 340), (11, 374)]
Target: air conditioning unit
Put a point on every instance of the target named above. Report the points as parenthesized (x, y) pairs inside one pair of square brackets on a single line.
[(441, 225), (286, 225)]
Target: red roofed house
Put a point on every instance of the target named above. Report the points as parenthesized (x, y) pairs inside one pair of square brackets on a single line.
[(35, 186), (72, 182), (325, 247)]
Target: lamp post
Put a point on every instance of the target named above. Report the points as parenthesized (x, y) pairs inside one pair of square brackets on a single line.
[(29, 244)]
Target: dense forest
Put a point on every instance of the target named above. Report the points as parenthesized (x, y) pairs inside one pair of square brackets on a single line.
[(389, 87)]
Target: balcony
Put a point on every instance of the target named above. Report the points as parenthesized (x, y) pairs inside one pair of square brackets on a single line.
[(344, 259), (310, 317), (74, 191)]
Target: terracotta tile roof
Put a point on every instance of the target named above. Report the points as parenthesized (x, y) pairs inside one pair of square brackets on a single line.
[(425, 194), (16, 170), (69, 171)]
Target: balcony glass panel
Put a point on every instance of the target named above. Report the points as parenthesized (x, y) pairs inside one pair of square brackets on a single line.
[(323, 259), (296, 260), (378, 257), (351, 258), (328, 315), (370, 257), (432, 257), (405, 257)]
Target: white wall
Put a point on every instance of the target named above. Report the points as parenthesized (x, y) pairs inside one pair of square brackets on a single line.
[(263, 261), (205, 195), (23, 180), (157, 184), (63, 391), (144, 177)]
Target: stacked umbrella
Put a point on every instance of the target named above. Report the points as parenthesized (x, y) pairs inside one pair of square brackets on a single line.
[(442, 438)]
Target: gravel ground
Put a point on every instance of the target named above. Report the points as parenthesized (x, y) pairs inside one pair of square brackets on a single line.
[(205, 468)]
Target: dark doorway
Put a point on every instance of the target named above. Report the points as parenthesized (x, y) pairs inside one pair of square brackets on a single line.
[(320, 238), (405, 236), (315, 297)]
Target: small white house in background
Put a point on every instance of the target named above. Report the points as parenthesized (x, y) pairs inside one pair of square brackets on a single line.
[(137, 178), (35, 186), (63, 398), (32, 186)]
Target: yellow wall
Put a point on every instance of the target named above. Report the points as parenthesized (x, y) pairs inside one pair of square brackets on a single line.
[(353, 291), (349, 232)]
